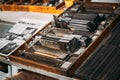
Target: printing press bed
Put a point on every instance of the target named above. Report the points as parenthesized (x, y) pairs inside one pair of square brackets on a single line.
[(65, 48)]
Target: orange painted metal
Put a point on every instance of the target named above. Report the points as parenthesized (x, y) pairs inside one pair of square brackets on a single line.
[(69, 3), (33, 8)]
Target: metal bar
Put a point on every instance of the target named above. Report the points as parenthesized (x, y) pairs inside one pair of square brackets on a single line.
[(93, 46)]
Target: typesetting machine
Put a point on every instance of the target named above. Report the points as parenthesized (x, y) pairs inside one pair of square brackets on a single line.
[(60, 49)]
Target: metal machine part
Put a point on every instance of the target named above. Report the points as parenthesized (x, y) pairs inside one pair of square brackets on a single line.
[(41, 58), (104, 62), (45, 55), (8, 1), (26, 2), (49, 51), (85, 41), (60, 32), (90, 20), (81, 24), (32, 2), (69, 43), (37, 2), (52, 2)]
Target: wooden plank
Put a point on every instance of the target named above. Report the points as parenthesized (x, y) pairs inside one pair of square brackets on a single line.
[(33, 64)]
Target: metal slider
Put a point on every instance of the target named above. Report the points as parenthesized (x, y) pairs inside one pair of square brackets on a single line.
[(41, 57)]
